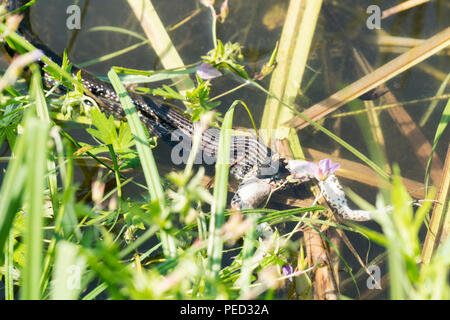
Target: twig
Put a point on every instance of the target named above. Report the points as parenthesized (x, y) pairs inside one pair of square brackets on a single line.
[(402, 7), (439, 216), (374, 79), (391, 105)]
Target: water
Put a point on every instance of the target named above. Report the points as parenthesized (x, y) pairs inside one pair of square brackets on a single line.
[(257, 25)]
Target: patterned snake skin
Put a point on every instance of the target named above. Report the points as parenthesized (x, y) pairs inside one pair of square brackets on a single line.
[(259, 170)]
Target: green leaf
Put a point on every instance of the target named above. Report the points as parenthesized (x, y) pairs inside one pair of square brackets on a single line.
[(215, 242), (433, 104), (125, 140), (36, 134), (226, 56), (199, 100), (439, 131), (168, 93), (106, 130)]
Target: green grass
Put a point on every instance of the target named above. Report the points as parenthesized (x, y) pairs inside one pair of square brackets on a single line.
[(215, 242)]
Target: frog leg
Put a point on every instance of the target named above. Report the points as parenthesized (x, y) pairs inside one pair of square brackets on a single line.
[(330, 188), (335, 196)]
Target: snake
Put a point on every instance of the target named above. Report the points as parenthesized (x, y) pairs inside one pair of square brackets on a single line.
[(258, 169)]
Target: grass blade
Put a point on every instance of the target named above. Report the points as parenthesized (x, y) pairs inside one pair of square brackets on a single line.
[(215, 243), (37, 92), (439, 216), (160, 40), (69, 266), (9, 267), (118, 30), (293, 51), (145, 154), (112, 55), (445, 118), (151, 173), (11, 191), (36, 134), (434, 103), (247, 250)]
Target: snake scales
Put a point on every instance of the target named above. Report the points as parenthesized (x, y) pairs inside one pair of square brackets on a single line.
[(259, 169)]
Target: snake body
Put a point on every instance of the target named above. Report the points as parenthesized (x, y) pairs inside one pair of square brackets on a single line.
[(258, 169)]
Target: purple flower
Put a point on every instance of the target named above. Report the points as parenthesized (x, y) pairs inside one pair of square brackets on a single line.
[(207, 72), (325, 168), (287, 270)]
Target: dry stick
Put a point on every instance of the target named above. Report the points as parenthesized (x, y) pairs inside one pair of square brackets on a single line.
[(382, 38), (404, 122), (76, 31), (402, 7), (374, 79), (379, 261), (446, 228), (391, 105), (378, 146), (293, 51), (185, 20), (410, 130), (285, 82), (325, 284), (440, 216), (160, 40), (317, 255), (396, 44), (415, 137), (400, 50)]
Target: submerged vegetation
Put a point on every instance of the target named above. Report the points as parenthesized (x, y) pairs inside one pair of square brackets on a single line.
[(77, 220)]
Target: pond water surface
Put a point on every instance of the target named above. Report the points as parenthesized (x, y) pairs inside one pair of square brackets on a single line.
[(257, 25)]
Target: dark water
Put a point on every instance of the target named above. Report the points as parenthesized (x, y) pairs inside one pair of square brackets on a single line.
[(257, 25)]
